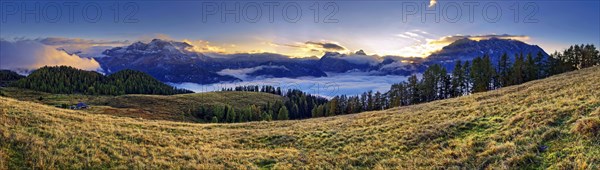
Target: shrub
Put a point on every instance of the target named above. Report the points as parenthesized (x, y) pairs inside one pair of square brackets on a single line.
[(588, 127)]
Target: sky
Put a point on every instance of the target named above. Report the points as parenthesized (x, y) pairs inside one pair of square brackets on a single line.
[(296, 28)]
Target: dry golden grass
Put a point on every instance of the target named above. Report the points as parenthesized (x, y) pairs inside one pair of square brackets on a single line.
[(153, 107), (589, 127), (522, 127)]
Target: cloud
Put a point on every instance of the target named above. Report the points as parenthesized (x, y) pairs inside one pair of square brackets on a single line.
[(314, 46), (77, 41), (404, 64), (326, 45), (415, 35), (202, 46), (243, 72), (403, 36), (452, 38), (259, 45), (82, 47), (333, 85), (32, 54)]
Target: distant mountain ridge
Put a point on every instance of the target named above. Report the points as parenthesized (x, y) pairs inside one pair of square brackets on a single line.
[(467, 49), (176, 62), (165, 60)]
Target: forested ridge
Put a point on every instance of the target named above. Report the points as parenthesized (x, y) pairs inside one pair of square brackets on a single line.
[(478, 75), (436, 83), (7, 76), (296, 105), (69, 80)]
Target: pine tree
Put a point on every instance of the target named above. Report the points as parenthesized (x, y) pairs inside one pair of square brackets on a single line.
[(483, 74), (555, 63), (446, 85), (590, 56), (530, 69), (429, 83), (314, 112), (333, 107), (231, 115), (378, 103), (413, 90), (370, 101), (490, 73), (477, 74), (282, 114), (295, 112), (504, 70), (219, 112), (457, 80), (398, 94), (518, 70), (541, 65), (467, 88), (363, 102)]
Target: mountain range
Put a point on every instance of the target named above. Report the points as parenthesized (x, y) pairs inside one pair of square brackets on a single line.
[(175, 62), (467, 49)]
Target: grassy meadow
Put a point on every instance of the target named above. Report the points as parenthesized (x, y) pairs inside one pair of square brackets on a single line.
[(153, 107), (552, 123)]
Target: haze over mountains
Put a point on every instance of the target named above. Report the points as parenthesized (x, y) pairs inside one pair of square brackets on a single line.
[(172, 61)]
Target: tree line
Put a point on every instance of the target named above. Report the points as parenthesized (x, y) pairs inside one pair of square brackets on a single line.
[(478, 75), (295, 105), (69, 80), (255, 88), (228, 114), (7, 77)]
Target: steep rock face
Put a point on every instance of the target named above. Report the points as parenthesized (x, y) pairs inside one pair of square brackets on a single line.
[(165, 60)]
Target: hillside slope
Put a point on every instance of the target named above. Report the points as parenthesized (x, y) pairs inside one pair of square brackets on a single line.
[(154, 107), (70, 80), (550, 123), (185, 103)]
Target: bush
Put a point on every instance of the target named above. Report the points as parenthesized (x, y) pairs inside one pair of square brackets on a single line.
[(588, 127)]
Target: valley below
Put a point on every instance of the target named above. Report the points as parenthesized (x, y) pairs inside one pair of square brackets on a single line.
[(551, 123), (300, 85)]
